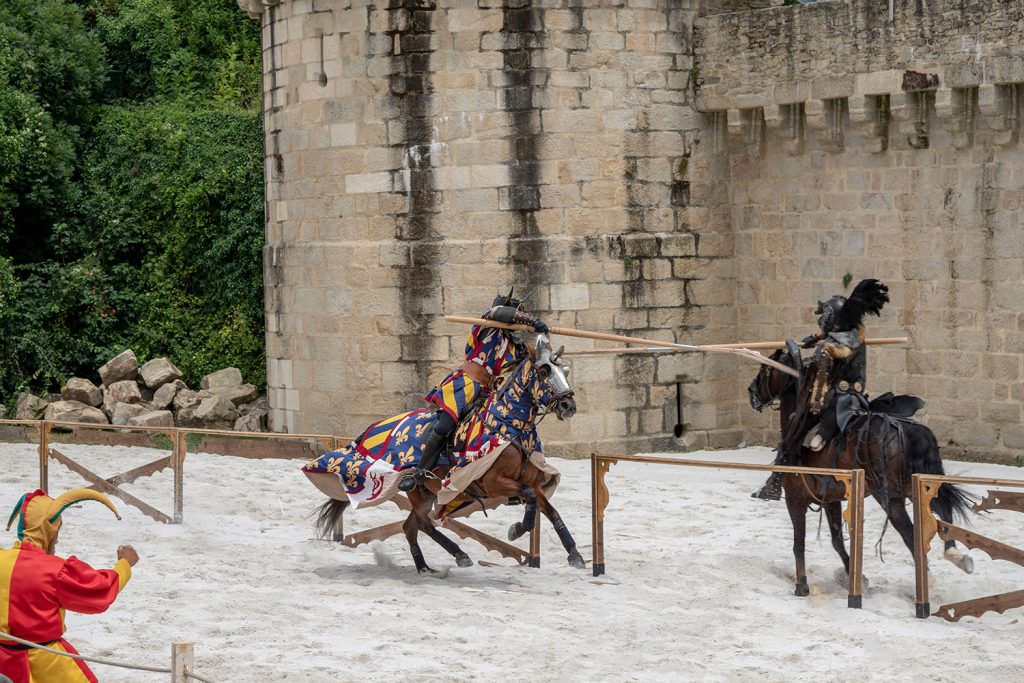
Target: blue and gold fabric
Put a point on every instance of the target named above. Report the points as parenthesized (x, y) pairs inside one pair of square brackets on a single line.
[(505, 418), (386, 447), (492, 349), (368, 465), (454, 393)]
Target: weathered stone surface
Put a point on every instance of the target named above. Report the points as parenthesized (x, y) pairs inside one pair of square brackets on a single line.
[(255, 421), (125, 391), (74, 411), (259, 404), (164, 396), (644, 215), (84, 391), (228, 377), (217, 413), (245, 393), (186, 398), (123, 412), (29, 407), (158, 372), (153, 418), (121, 367), (185, 403)]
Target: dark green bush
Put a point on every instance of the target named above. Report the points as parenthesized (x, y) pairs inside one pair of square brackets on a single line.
[(178, 196), (131, 189)]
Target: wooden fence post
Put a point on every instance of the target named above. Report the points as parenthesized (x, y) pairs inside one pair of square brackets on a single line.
[(182, 662), (921, 546), (856, 523), (534, 557), (44, 455), (179, 440), (596, 526)]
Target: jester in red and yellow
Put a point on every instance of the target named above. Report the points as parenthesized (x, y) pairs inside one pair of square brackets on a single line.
[(36, 587)]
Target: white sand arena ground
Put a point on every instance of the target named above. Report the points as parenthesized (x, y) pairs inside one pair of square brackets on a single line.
[(699, 586)]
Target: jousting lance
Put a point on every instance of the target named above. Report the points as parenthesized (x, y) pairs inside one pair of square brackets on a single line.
[(710, 347), (622, 339)]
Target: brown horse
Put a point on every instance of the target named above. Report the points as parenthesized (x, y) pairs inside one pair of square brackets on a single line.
[(889, 449), (537, 386)]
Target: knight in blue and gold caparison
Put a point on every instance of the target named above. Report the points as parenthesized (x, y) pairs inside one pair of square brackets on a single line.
[(490, 352)]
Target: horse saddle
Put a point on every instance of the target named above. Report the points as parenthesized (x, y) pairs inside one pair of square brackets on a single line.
[(901, 405)]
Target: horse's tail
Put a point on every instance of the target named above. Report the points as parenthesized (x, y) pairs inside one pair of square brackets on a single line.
[(952, 500), (329, 523), (924, 458)]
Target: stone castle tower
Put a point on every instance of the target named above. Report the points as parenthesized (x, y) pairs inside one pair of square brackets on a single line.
[(673, 169)]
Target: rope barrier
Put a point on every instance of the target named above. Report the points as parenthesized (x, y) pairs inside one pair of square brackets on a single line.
[(98, 660)]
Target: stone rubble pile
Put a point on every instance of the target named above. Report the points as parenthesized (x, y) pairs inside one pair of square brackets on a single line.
[(151, 395)]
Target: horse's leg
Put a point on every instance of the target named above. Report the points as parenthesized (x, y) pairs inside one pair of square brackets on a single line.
[(796, 503), (461, 558), (961, 559), (896, 510), (422, 502), (943, 505), (575, 559), (520, 528), (410, 527), (834, 514)]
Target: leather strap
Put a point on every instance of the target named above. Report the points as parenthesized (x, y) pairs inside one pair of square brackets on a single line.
[(477, 373)]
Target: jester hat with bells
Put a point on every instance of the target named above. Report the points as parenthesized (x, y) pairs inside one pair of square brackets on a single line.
[(39, 516)]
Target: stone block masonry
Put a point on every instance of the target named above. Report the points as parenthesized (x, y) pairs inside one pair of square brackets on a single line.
[(684, 170), (422, 155), (865, 145)]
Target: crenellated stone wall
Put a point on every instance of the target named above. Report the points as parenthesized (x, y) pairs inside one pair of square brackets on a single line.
[(422, 156), (861, 146), (680, 169)]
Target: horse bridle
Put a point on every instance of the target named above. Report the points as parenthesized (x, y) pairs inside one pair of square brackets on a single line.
[(762, 380)]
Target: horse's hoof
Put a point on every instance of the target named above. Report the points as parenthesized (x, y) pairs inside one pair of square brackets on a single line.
[(802, 590), (516, 530), (962, 560), (576, 561), (463, 560), (424, 570)]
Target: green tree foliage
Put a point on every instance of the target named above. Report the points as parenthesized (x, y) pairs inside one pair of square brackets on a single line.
[(206, 50), (51, 69), (51, 55), (130, 187), (176, 193)]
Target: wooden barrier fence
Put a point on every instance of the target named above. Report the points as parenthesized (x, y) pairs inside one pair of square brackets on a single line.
[(218, 442), (854, 513), (176, 439), (927, 526)]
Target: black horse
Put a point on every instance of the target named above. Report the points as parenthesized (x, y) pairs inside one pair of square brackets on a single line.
[(887, 447)]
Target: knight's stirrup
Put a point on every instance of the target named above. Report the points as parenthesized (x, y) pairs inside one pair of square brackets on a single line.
[(410, 480)]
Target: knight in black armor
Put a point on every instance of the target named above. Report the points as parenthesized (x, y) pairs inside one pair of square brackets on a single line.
[(839, 387), (490, 352)]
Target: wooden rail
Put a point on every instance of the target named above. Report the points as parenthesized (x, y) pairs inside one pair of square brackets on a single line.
[(854, 515), (214, 440), (225, 443), (927, 526)]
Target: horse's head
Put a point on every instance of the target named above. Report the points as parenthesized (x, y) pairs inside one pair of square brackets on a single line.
[(556, 393), (769, 384)]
